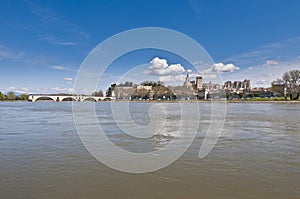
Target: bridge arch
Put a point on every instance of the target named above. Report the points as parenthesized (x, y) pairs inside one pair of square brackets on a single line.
[(44, 98), (91, 99), (60, 98), (68, 99)]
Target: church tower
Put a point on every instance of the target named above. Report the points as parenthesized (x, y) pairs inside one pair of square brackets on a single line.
[(187, 81), (199, 83)]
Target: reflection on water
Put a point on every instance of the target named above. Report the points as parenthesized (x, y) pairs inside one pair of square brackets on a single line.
[(257, 156)]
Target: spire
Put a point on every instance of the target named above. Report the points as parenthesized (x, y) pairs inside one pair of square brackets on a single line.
[(187, 81)]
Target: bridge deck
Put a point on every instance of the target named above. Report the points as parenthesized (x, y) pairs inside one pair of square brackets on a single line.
[(60, 98)]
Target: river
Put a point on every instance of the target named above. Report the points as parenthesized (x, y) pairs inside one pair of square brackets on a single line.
[(257, 155)]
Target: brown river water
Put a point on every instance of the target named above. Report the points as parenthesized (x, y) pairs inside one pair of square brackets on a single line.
[(257, 155)]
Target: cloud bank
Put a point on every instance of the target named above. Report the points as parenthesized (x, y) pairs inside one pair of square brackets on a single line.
[(175, 73), (224, 68), (62, 68), (9, 54), (168, 73), (160, 66), (271, 63), (68, 79)]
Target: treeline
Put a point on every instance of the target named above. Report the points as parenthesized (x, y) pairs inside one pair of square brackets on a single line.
[(98, 93), (12, 96), (154, 84), (146, 90), (288, 85)]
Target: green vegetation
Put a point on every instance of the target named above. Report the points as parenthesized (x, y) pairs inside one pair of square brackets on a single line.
[(259, 99), (279, 99), (2, 96), (109, 91), (11, 96), (269, 99), (24, 97), (98, 93), (288, 85), (152, 83)]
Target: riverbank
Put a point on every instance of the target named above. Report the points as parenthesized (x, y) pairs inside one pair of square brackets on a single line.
[(215, 101), (265, 101), (185, 101)]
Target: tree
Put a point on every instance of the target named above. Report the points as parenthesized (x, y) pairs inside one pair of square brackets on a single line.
[(11, 96), (141, 93), (241, 95), (126, 84), (278, 86), (152, 83), (291, 82), (98, 93), (2, 96), (24, 97), (161, 91), (288, 85), (110, 90)]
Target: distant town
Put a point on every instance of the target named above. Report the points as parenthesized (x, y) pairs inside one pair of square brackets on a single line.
[(197, 90), (285, 88)]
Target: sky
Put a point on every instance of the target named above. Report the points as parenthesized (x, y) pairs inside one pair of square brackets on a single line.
[(43, 43)]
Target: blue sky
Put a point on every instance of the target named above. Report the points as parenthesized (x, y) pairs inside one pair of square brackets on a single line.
[(43, 43)]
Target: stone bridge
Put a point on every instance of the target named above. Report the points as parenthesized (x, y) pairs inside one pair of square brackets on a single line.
[(61, 98)]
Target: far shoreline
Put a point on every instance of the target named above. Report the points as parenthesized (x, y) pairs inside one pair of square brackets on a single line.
[(182, 101), (215, 101)]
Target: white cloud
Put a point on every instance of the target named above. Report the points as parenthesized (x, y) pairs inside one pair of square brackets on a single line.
[(286, 50), (197, 63), (160, 67), (56, 20), (18, 90), (176, 73), (6, 53), (262, 83), (3, 54), (168, 73), (280, 57), (68, 79), (172, 78), (11, 88), (63, 68), (25, 89), (29, 90), (64, 43), (53, 40), (62, 90), (259, 73), (57, 67), (221, 67), (271, 63)]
